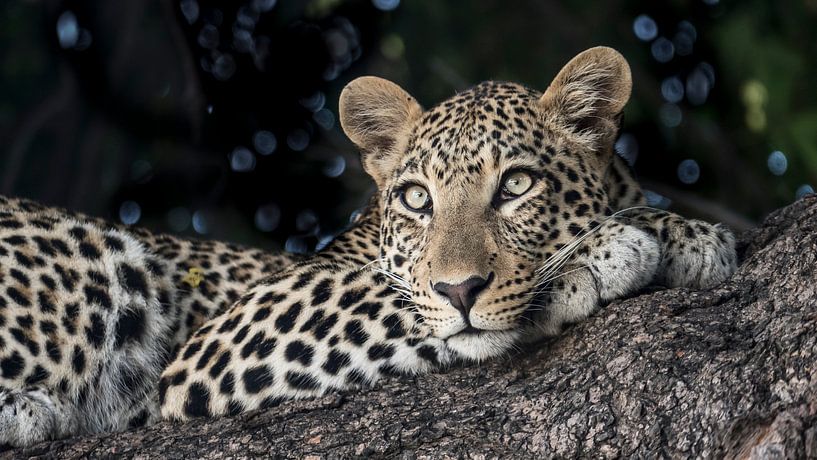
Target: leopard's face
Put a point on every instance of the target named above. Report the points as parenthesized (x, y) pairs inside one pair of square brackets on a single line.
[(477, 204), (484, 194)]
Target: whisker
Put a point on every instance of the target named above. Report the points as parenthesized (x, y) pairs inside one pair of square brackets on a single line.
[(368, 264), (396, 278), (572, 270), (557, 260)]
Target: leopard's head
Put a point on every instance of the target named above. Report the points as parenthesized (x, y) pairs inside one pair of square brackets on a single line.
[(482, 191)]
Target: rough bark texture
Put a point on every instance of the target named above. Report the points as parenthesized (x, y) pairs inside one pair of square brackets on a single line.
[(725, 372)]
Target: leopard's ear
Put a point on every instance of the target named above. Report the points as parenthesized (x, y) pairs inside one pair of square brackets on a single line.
[(377, 115), (589, 93)]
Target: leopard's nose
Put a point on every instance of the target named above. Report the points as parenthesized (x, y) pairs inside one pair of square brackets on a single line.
[(462, 296)]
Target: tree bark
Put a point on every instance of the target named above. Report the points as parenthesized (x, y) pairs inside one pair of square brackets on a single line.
[(728, 371)]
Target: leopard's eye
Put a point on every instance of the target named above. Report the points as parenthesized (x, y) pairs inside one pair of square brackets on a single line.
[(416, 198), (516, 184)]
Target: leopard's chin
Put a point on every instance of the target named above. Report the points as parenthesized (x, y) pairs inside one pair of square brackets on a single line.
[(474, 344)]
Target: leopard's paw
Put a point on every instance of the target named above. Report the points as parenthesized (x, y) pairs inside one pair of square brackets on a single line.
[(700, 255)]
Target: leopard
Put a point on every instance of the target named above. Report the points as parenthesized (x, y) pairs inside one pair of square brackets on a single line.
[(502, 216), (91, 311)]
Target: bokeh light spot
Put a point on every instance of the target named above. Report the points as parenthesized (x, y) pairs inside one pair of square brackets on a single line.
[(242, 160), (335, 167), (709, 71), (332, 71), (296, 245), (392, 46), (200, 223), (264, 142), (246, 17), (190, 10), (130, 212), (699, 83), (262, 5), (755, 120), (67, 30), (689, 172), (208, 37), (324, 118), (386, 5), (260, 52), (267, 217), (314, 102), (306, 220), (684, 38), (242, 41), (689, 29), (662, 50), (645, 28), (754, 93), (224, 67), (777, 163), (627, 148), (337, 43), (656, 200), (672, 89), (343, 44), (683, 44), (323, 241), (803, 190), (755, 96)]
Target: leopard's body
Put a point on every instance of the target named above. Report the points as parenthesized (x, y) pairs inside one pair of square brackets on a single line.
[(501, 215), (198, 278), (90, 312)]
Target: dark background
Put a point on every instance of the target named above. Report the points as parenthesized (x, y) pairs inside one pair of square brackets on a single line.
[(219, 118)]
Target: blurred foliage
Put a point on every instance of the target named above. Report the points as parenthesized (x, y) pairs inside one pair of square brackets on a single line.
[(219, 117)]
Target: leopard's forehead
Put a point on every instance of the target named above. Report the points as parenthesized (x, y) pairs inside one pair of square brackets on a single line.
[(480, 100), (479, 127)]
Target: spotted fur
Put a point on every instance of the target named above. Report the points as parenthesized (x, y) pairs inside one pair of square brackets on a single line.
[(222, 271), (82, 333), (90, 314)]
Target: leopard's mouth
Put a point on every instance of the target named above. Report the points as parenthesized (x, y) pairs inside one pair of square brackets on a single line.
[(533, 312), (471, 330)]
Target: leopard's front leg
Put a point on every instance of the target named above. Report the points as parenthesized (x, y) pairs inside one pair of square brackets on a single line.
[(613, 261), (694, 253)]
